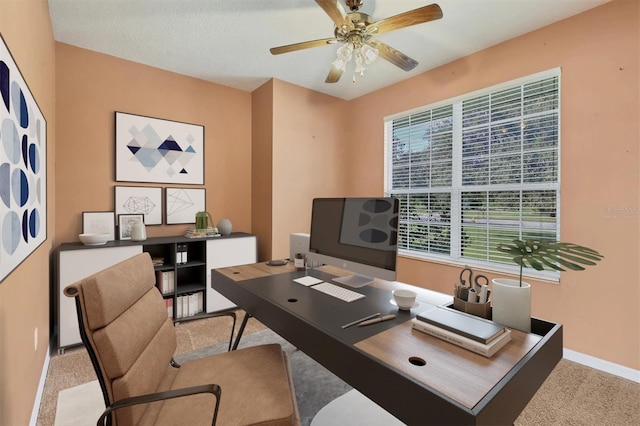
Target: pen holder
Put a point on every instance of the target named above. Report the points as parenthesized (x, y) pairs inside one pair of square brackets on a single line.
[(478, 309)]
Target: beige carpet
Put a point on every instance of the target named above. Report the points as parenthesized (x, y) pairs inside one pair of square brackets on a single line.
[(572, 395)]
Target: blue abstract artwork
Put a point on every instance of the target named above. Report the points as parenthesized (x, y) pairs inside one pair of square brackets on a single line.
[(23, 175), (159, 151)]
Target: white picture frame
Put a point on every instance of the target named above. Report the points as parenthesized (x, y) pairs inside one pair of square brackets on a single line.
[(182, 204), (23, 167), (125, 222), (143, 200), (158, 151), (99, 223)]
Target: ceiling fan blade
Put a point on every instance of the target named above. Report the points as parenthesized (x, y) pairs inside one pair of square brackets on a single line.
[(335, 11), (300, 46), (394, 56), (334, 75), (407, 19)]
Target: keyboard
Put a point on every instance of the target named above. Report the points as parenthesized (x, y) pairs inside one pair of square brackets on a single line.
[(338, 292)]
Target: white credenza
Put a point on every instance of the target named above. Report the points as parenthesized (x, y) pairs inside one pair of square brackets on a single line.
[(76, 261), (224, 253), (74, 265)]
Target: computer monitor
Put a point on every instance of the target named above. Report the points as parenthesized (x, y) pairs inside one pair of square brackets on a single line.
[(356, 234)]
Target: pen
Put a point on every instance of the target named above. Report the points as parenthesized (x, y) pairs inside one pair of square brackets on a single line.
[(377, 320), (361, 319)]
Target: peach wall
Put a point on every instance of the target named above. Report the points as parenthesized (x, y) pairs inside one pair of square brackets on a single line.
[(262, 168), (309, 160), (598, 54), (91, 86), (24, 294)]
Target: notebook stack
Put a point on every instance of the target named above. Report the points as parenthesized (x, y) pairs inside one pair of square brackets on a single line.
[(473, 333)]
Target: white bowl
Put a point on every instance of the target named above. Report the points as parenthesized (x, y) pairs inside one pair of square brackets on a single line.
[(404, 298), (94, 239)]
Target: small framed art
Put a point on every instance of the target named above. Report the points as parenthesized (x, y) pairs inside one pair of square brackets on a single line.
[(125, 222), (182, 204), (99, 223), (143, 200)]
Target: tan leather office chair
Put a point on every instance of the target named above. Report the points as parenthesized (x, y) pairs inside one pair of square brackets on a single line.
[(131, 342)]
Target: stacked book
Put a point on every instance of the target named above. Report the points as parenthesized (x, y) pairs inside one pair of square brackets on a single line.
[(473, 333), (201, 233)]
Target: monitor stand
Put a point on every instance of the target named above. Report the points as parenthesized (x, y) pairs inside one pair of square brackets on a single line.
[(354, 281)]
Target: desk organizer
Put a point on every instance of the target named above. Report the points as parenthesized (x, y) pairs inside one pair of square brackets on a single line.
[(479, 309)]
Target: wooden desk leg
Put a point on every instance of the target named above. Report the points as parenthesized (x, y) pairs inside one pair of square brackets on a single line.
[(241, 330)]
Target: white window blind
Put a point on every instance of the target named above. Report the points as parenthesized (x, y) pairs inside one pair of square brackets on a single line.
[(477, 170)]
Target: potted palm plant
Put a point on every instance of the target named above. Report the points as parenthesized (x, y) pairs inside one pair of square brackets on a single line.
[(511, 299)]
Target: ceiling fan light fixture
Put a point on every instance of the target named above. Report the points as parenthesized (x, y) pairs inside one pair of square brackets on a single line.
[(343, 56), (370, 53), (362, 54)]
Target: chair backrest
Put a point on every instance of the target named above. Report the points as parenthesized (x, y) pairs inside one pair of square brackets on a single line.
[(124, 325)]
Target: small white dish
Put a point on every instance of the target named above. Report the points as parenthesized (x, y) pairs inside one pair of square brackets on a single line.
[(94, 239), (415, 305)]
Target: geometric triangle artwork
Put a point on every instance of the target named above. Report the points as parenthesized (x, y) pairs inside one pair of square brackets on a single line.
[(149, 149), (178, 201)]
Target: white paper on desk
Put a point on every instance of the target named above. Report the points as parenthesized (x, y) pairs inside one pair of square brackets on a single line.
[(308, 281)]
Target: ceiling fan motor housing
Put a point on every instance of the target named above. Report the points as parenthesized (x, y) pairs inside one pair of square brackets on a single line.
[(358, 32)]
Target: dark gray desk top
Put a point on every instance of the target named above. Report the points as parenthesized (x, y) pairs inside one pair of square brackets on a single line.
[(328, 313)]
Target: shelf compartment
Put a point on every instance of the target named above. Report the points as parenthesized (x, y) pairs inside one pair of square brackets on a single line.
[(193, 287)]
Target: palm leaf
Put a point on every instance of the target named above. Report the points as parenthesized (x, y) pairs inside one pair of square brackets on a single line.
[(556, 255)]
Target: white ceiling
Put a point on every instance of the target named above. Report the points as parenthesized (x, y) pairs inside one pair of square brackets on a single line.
[(228, 41)]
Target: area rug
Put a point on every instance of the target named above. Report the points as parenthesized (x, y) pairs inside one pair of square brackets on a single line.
[(354, 409), (315, 385), (79, 405)]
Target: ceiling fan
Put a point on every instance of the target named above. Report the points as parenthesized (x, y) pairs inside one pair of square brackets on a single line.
[(355, 30)]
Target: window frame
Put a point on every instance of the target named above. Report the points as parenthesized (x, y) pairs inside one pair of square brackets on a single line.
[(457, 188)]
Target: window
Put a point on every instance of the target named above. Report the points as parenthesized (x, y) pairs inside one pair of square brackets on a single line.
[(478, 170)]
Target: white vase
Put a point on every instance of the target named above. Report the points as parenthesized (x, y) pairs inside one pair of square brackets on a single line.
[(511, 304), (224, 226), (138, 232)]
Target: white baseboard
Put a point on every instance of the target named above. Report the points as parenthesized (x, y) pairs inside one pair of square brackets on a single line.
[(602, 365), (43, 378)]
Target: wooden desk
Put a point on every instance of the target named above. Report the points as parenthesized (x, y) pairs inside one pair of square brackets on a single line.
[(455, 386)]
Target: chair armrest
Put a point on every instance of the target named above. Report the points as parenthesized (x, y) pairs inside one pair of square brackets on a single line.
[(159, 396)]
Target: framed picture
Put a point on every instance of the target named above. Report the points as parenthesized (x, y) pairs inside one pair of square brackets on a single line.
[(140, 200), (23, 167), (158, 151), (125, 222), (99, 223), (182, 204)]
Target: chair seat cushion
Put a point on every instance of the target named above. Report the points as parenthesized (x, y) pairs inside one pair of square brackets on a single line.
[(256, 389)]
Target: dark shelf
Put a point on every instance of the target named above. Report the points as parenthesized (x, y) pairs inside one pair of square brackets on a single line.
[(183, 288), (191, 263), (164, 267), (192, 317)]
